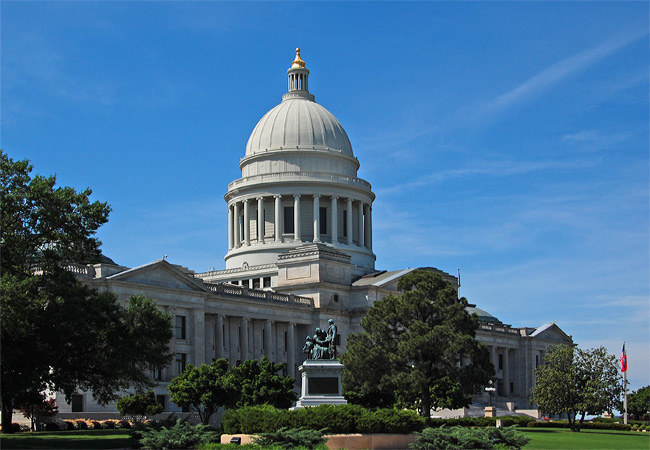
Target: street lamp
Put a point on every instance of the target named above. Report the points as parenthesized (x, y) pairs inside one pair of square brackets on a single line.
[(490, 389)]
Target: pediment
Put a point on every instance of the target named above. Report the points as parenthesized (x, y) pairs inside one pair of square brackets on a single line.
[(160, 274), (551, 332)]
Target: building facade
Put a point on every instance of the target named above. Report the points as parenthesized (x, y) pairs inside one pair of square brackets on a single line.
[(299, 253)]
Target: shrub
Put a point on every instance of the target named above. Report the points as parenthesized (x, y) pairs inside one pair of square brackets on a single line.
[(56, 425), (123, 424), (390, 421), (506, 437), (452, 438), (290, 438), (585, 425), (71, 425), (109, 424), (96, 425), (81, 424), (180, 435)]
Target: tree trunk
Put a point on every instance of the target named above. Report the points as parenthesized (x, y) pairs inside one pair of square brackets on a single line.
[(426, 405), (7, 411), (582, 418)]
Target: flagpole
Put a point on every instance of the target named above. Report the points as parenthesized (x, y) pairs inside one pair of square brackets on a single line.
[(625, 397), (624, 354)]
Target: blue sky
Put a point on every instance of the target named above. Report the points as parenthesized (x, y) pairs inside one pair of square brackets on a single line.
[(509, 140)]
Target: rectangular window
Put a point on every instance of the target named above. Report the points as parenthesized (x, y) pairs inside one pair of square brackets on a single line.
[(288, 219), (77, 402), (156, 374), (322, 212), (181, 362), (267, 282), (160, 399), (536, 361), (345, 223), (180, 327), (512, 387), (286, 339), (337, 340), (500, 362), (256, 283)]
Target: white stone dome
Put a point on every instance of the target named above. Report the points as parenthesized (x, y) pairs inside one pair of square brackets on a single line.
[(298, 123)]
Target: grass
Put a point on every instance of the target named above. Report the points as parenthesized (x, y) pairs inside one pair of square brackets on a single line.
[(540, 438), (90, 439), (564, 439)]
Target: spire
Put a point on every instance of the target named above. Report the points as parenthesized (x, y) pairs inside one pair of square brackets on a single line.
[(298, 79)]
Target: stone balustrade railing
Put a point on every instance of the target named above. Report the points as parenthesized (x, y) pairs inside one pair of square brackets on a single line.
[(298, 176), (498, 329), (256, 294)]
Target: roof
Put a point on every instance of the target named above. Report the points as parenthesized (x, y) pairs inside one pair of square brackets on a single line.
[(381, 278), (483, 316)]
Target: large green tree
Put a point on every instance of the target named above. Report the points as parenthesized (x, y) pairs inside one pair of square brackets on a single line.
[(638, 403), (57, 333), (204, 389), (577, 382), (418, 349), (258, 383)]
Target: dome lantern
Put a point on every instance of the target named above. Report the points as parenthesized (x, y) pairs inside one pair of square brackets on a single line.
[(298, 79)]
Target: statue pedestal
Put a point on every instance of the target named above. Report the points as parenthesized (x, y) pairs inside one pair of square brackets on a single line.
[(321, 383), (490, 411)]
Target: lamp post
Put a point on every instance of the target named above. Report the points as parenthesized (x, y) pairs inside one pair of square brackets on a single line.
[(490, 389)]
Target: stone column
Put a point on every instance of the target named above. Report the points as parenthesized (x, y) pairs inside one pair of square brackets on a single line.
[(493, 357), (198, 336), (349, 219), (335, 220), (260, 220), (219, 342), (236, 226), (506, 372), (291, 350), (267, 339), (316, 218), (247, 224), (366, 226), (231, 237), (361, 227), (296, 218), (278, 220), (243, 339), (369, 236)]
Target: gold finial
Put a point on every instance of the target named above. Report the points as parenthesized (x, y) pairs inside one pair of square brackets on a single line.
[(298, 63)]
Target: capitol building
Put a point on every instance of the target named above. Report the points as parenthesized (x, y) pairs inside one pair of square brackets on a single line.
[(300, 251)]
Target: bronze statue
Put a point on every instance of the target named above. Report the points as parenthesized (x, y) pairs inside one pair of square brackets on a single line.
[(322, 345)]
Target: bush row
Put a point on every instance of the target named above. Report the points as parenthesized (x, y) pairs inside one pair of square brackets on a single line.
[(86, 424), (507, 421), (339, 419), (584, 426)]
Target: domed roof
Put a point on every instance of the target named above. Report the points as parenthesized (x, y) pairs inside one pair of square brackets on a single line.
[(483, 316), (298, 123)]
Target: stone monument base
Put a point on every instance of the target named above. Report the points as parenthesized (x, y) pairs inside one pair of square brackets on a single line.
[(490, 411), (321, 383)]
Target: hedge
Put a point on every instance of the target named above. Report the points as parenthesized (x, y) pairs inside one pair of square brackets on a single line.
[(333, 419), (584, 426), (507, 421)]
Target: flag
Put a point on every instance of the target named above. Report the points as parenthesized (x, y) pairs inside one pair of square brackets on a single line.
[(623, 359), (458, 277)]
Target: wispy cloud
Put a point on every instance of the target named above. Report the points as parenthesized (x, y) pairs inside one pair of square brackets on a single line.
[(550, 76), (490, 168)]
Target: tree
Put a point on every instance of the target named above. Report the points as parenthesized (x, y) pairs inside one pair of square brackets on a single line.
[(58, 334), (204, 389), (258, 383), (139, 405), (577, 382), (38, 407), (417, 349), (638, 403)]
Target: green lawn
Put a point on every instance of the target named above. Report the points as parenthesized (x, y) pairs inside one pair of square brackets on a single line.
[(564, 439), (91, 439)]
